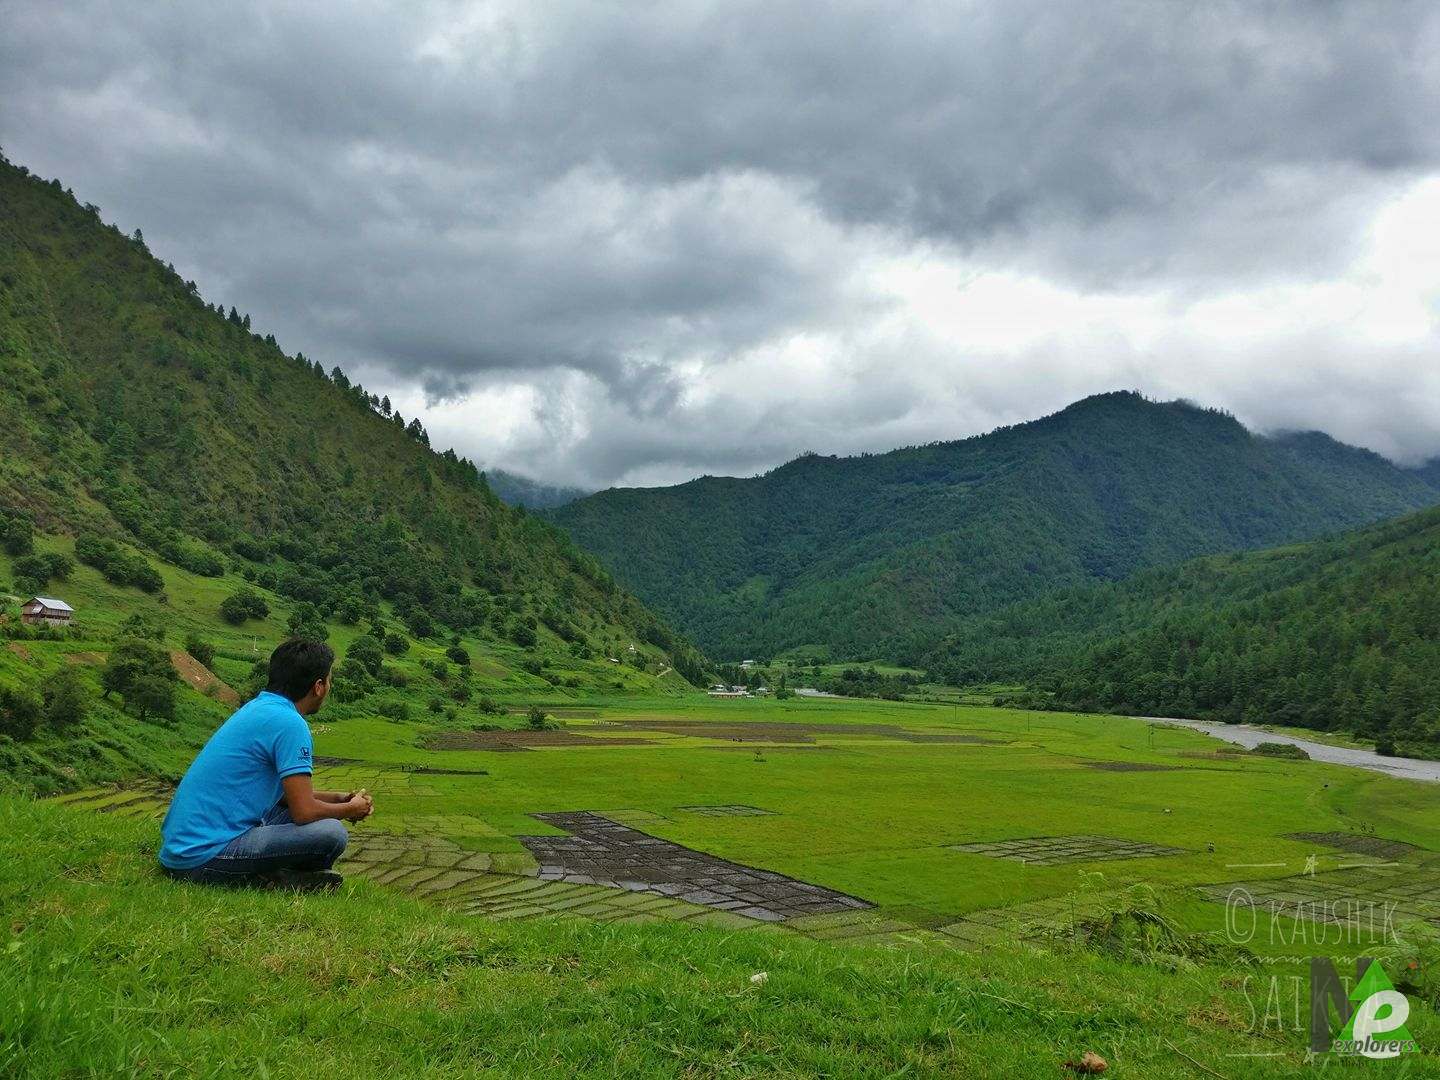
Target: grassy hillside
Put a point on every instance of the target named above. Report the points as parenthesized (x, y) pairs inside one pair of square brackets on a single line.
[(1341, 634), (131, 409), (112, 970), (160, 458), (425, 681), (876, 556)]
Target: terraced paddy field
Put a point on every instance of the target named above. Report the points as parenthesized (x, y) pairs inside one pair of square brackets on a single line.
[(859, 820)]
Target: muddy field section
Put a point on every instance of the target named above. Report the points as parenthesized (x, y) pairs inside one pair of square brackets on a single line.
[(1055, 850), (1357, 844), (600, 851), (523, 740), (798, 733)]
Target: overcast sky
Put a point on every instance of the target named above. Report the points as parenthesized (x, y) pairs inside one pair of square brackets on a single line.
[(623, 243)]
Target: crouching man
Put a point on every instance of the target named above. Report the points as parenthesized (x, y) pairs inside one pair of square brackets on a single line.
[(246, 812)]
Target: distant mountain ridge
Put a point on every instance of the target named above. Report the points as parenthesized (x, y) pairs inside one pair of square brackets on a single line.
[(877, 555), (532, 494)]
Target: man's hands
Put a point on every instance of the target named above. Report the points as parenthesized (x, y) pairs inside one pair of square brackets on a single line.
[(306, 804), (359, 805)]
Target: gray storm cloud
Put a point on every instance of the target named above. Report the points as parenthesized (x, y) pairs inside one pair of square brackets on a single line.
[(634, 243)]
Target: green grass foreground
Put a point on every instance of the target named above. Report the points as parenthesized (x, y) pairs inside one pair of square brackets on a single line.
[(110, 969)]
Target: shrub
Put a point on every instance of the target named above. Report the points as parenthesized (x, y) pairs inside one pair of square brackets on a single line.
[(142, 626), (201, 650), (307, 622), (352, 680), (1281, 750), (536, 719), (119, 566), (37, 570), (396, 644), (152, 696), (1384, 745), (192, 557), (17, 533), (20, 714), (437, 705), (366, 651), (398, 711), (249, 548), (67, 699), (458, 655), (521, 635), (489, 706), (243, 605), (420, 623)]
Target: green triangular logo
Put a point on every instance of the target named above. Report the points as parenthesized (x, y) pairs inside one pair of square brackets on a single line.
[(1373, 982)]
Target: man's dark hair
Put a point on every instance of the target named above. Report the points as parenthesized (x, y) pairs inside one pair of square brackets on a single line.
[(297, 665)]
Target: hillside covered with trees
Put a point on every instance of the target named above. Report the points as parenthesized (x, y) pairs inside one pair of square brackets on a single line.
[(878, 556), (148, 424), (1341, 634)]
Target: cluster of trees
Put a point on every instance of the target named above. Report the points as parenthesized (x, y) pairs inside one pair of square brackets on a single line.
[(139, 670), (243, 605), (34, 572), (363, 670), (867, 682), (118, 565), (1334, 635)]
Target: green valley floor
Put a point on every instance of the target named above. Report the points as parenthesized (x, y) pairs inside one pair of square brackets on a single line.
[(931, 890)]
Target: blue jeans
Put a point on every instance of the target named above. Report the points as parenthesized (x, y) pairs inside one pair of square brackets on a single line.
[(277, 843)]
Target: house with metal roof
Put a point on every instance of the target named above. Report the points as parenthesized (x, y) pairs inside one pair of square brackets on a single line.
[(46, 611)]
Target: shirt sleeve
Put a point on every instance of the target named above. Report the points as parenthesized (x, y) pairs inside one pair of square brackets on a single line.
[(293, 749)]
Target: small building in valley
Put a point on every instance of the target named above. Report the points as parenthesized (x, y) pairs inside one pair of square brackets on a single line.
[(46, 611)]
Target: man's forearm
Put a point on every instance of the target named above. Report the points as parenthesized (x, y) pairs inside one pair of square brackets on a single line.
[(319, 808), (332, 796)]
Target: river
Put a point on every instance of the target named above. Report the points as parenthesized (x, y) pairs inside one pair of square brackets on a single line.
[(1250, 737)]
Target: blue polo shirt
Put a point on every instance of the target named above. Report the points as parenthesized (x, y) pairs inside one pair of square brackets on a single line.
[(234, 780)]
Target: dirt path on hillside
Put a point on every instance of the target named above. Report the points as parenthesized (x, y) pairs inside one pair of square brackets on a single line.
[(202, 678)]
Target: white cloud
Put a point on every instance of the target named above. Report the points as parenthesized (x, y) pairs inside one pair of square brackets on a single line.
[(624, 243)]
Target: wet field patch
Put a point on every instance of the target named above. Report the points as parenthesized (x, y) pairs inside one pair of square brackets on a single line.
[(798, 733), (1055, 850), (599, 851), (1357, 844), (728, 810), (523, 740)]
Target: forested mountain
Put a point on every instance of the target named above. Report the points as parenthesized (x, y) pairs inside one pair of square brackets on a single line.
[(135, 414), (1334, 634), (532, 494), (877, 556)]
